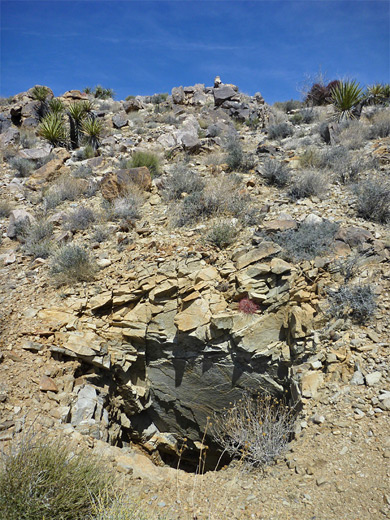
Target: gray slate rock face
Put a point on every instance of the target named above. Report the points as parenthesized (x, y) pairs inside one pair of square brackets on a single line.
[(223, 93)]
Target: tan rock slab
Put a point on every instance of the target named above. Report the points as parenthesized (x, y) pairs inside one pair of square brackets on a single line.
[(47, 384), (264, 250), (193, 316)]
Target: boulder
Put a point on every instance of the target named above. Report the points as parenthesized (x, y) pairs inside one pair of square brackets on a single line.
[(75, 95), (178, 95), (223, 93), (120, 120), (114, 185), (36, 153), (10, 137), (17, 218), (49, 171), (133, 105)]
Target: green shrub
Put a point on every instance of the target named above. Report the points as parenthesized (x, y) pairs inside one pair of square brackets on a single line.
[(255, 430), (72, 264), (42, 479), (148, 159), (40, 94), (222, 235), (308, 241), (77, 112), (373, 200), (355, 301), (308, 184)]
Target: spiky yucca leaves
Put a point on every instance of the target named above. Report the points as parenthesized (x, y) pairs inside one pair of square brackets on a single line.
[(346, 97), (103, 93), (40, 93), (56, 106), (53, 129), (92, 129), (77, 112), (376, 93)]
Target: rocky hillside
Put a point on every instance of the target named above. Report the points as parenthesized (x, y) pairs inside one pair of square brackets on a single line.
[(164, 254)]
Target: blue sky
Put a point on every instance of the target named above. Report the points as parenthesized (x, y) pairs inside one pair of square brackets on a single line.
[(145, 47)]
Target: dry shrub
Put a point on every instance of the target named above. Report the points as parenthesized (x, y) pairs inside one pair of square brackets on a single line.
[(43, 479), (308, 184), (255, 429)]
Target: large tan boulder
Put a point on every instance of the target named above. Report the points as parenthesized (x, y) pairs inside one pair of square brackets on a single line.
[(117, 184), (50, 171)]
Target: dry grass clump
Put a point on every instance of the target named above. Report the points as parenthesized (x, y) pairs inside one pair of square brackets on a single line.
[(65, 188), (126, 208), (181, 180), (72, 263), (308, 241), (275, 173), (373, 200), (256, 429), (80, 219), (380, 125), (354, 135), (221, 196), (308, 184), (5, 208), (222, 234), (355, 301), (42, 479)]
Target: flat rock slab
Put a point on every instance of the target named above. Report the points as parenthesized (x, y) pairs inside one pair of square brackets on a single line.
[(264, 250)]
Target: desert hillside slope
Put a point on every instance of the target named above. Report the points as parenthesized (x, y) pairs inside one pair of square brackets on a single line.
[(163, 255)]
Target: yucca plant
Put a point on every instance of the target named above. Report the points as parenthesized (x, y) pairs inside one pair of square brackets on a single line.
[(103, 93), (40, 93), (346, 96), (53, 129), (56, 106), (375, 94), (386, 90), (77, 112), (92, 129)]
